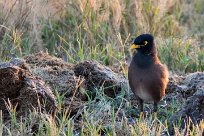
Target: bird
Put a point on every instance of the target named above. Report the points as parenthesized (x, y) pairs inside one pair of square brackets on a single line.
[(148, 77)]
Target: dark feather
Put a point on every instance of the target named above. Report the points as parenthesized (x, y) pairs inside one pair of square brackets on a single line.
[(148, 78)]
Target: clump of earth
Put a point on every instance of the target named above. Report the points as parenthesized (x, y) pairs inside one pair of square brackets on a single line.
[(28, 82)]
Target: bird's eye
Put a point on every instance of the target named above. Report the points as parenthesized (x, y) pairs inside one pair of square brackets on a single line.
[(145, 43)]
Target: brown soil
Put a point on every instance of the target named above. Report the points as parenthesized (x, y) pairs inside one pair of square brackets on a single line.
[(40, 77), (22, 91)]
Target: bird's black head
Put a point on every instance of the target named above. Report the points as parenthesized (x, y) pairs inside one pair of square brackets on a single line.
[(144, 44)]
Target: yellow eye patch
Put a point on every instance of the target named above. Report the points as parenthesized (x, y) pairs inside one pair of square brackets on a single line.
[(145, 42), (134, 46)]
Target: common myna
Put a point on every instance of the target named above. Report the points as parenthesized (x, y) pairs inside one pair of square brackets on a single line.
[(147, 76)]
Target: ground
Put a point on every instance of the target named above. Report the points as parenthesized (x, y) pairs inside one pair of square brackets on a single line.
[(89, 91)]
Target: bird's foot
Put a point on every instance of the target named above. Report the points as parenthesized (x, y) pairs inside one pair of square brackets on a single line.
[(141, 115), (155, 119), (155, 115)]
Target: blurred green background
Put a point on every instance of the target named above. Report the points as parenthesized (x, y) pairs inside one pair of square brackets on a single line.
[(102, 30)]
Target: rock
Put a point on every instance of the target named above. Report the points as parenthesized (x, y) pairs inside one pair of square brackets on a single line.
[(20, 89), (193, 108), (97, 76)]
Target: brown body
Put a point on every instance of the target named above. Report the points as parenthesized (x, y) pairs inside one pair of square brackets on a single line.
[(148, 83), (148, 78)]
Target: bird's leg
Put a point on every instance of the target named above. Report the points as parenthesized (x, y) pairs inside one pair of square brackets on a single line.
[(155, 110), (141, 108), (155, 114)]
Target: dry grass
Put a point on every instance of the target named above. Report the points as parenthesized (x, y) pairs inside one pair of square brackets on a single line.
[(102, 30), (77, 30), (26, 15)]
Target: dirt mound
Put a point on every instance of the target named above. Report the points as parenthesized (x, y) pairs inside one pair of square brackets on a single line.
[(97, 76), (75, 79), (74, 82), (174, 83), (193, 108), (57, 73), (20, 89), (45, 60), (24, 84)]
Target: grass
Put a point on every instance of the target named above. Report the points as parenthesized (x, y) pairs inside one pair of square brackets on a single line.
[(85, 30), (188, 56), (102, 31), (100, 115)]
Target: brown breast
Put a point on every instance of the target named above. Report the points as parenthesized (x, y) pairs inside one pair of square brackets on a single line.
[(148, 83)]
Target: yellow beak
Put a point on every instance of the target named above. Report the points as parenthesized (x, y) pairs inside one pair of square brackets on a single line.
[(134, 46)]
